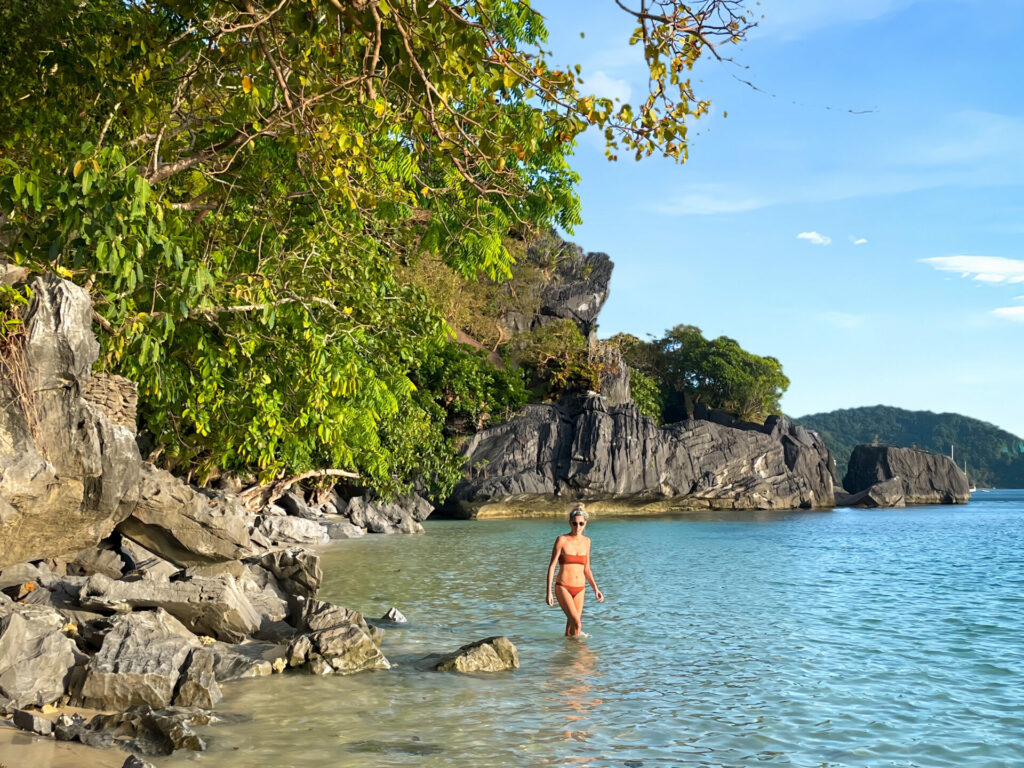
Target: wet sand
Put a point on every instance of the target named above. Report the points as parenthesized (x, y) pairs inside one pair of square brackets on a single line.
[(19, 749)]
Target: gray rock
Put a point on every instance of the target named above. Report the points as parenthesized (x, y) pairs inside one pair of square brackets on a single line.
[(244, 660), (184, 526), (33, 723), (887, 494), (336, 641), (394, 615), (139, 663), (404, 515), (293, 504), (142, 562), (296, 571), (582, 449), (135, 762), (341, 528), (492, 654), (36, 658), (103, 560), (926, 478), (198, 684), (68, 475), (217, 607), (289, 531), (143, 730)]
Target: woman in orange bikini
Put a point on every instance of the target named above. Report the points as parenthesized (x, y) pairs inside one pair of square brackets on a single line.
[(572, 553)]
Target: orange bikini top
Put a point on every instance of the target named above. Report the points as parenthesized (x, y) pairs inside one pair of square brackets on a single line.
[(566, 559)]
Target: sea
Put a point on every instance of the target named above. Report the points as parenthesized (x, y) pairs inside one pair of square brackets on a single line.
[(853, 637)]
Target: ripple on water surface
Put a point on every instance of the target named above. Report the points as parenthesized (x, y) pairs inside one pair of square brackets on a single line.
[(855, 638)]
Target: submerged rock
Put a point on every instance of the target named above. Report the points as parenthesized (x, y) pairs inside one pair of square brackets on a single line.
[(583, 449), (923, 477), (142, 730), (336, 640), (492, 654)]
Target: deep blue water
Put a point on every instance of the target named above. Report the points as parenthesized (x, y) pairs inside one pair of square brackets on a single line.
[(848, 638)]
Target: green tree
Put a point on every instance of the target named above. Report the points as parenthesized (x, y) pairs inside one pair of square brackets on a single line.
[(236, 182)]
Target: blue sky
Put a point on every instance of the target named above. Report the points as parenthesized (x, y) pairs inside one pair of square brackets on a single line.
[(879, 255)]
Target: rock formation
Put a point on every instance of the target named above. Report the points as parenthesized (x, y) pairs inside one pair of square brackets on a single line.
[(492, 654), (615, 457), (886, 476)]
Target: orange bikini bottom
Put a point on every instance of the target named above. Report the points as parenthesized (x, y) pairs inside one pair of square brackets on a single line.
[(573, 591)]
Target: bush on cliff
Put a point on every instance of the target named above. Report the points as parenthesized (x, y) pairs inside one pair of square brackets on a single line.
[(689, 369), (236, 183)]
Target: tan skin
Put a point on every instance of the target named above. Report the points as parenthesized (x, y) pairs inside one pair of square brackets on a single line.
[(572, 574)]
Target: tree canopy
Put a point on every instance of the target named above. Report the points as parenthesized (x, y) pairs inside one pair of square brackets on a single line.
[(718, 373), (236, 183)]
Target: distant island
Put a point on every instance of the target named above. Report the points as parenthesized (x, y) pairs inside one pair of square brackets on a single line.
[(994, 457)]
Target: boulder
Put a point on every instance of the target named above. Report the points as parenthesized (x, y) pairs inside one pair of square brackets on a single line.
[(33, 723), (296, 571), (338, 527), (293, 504), (217, 607), (198, 684), (103, 560), (243, 660), (925, 478), (185, 526), (336, 640), (143, 563), (403, 515), (395, 616), (36, 658), (68, 475), (139, 662), (492, 654), (140, 729), (135, 762), (614, 456), (282, 530)]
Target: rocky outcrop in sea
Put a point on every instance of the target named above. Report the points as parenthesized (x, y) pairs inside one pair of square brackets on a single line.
[(613, 456), (887, 476)]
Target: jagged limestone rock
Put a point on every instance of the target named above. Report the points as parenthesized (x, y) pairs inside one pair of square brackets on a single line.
[(614, 456), (139, 662), (198, 684), (68, 475), (926, 478), (184, 526), (36, 658), (336, 640), (492, 654)]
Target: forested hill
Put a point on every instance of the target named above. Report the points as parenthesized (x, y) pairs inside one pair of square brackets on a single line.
[(995, 458)]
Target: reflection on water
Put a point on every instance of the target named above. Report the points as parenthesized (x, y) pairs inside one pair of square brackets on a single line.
[(858, 638)]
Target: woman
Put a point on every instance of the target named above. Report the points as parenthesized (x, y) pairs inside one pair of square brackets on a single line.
[(572, 553)]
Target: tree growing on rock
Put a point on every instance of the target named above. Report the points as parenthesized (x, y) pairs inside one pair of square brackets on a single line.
[(236, 183)]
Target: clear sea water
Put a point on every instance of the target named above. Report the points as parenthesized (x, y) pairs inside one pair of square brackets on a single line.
[(846, 638)]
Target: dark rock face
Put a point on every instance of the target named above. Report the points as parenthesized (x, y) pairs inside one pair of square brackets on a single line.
[(585, 450), (577, 289), (68, 474), (926, 478), (140, 729), (492, 654)]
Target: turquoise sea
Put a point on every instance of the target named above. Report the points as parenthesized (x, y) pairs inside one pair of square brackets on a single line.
[(848, 638)]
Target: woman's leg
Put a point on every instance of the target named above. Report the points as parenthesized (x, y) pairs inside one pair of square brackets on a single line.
[(578, 600), (572, 613)]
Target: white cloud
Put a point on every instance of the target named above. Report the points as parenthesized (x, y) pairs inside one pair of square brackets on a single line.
[(1016, 314), (858, 240), (600, 84), (707, 199), (815, 237), (986, 269)]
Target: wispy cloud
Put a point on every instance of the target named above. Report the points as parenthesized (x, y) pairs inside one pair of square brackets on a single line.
[(858, 240), (814, 237), (601, 84), (1016, 314), (986, 269), (706, 199)]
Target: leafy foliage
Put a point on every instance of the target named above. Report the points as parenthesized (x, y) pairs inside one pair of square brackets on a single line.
[(556, 359), (236, 182), (993, 456), (689, 369), (646, 394)]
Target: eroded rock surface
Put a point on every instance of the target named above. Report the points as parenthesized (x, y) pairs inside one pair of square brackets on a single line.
[(584, 449), (923, 477), (336, 640), (492, 654), (36, 657)]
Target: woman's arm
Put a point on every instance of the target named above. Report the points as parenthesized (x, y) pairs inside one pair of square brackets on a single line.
[(589, 574), (555, 551)]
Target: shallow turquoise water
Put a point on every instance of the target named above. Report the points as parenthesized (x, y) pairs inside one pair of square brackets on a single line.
[(849, 638)]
